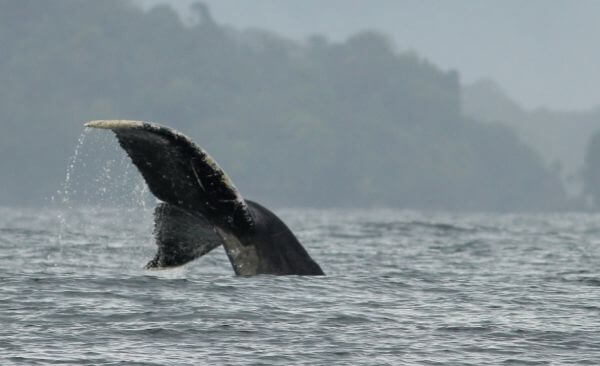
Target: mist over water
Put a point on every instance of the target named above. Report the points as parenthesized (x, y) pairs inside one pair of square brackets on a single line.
[(362, 121)]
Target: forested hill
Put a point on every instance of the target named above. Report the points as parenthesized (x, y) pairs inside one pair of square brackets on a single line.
[(560, 137), (314, 123)]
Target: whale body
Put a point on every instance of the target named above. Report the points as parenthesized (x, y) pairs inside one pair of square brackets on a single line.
[(201, 209)]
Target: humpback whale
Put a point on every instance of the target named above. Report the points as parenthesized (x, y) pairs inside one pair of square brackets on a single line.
[(201, 209)]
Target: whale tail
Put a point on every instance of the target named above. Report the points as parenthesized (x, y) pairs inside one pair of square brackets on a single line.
[(181, 236), (201, 208), (181, 173)]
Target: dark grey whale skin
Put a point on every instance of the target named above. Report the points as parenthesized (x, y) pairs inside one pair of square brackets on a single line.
[(277, 249), (202, 209)]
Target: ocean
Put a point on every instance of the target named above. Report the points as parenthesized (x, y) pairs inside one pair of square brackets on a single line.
[(401, 288)]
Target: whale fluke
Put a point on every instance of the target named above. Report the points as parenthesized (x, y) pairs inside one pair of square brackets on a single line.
[(181, 236), (202, 208), (179, 172)]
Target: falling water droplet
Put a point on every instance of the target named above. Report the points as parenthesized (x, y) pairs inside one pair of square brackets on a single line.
[(65, 194)]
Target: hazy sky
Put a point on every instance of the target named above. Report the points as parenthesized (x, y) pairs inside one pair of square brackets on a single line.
[(542, 52)]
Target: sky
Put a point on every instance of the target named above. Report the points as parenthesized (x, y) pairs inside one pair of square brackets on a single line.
[(544, 53)]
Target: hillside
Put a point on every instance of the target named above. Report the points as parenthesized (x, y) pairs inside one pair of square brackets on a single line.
[(314, 123), (560, 137)]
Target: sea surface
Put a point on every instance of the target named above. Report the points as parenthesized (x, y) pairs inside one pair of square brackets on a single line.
[(402, 288)]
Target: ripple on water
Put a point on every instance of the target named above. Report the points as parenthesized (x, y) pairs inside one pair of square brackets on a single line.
[(402, 288)]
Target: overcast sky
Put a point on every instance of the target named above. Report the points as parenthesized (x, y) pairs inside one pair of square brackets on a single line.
[(544, 53)]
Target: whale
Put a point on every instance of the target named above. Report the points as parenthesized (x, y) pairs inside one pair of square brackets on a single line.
[(200, 208)]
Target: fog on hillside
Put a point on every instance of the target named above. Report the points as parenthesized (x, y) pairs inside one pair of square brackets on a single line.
[(319, 122)]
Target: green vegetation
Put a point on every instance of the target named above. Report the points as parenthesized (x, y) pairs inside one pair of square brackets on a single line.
[(309, 124)]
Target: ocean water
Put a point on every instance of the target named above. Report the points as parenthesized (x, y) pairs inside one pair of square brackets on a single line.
[(402, 288)]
